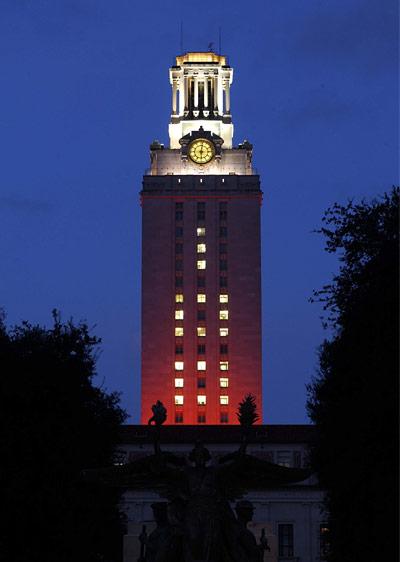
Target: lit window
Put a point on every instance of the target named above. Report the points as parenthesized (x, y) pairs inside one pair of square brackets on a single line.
[(178, 331), (223, 382), (201, 297), (201, 231), (201, 400), (178, 314), (201, 365), (179, 298), (222, 298), (324, 546), (223, 332), (201, 331), (201, 264), (178, 383), (224, 400), (178, 365), (201, 248), (179, 400), (223, 314), (223, 365)]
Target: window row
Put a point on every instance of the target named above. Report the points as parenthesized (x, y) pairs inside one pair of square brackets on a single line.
[(202, 264), (201, 231), (201, 314), (201, 400), (201, 282), (286, 547), (202, 365), (201, 211), (201, 248), (201, 331), (201, 417), (201, 382), (201, 297), (201, 349)]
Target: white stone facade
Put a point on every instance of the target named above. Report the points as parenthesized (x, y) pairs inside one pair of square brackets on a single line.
[(200, 96), (299, 505), (166, 162)]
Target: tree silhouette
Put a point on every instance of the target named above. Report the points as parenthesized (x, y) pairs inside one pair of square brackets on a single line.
[(54, 423), (353, 398), (247, 411), (247, 416)]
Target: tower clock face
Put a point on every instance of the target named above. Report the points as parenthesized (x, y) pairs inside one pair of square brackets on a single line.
[(201, 151)]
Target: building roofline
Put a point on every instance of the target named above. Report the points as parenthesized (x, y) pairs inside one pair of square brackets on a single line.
[(217, 434)]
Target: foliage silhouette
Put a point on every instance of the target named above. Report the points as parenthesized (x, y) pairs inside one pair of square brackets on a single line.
[(353, 398), (247, 416), (55, 423), (247, 411)]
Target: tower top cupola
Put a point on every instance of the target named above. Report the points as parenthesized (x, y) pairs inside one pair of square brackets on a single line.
[(201, 96)]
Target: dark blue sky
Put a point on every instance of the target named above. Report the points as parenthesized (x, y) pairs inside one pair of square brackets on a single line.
[(84, 89)]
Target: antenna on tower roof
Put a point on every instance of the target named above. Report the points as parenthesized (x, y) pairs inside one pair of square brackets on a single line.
[(219, 41), (181, 37), (210, 46)]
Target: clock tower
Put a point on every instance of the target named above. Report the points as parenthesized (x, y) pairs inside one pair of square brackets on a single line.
[(201, 271)]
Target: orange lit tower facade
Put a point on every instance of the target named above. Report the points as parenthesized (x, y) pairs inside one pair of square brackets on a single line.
[(201, 270)]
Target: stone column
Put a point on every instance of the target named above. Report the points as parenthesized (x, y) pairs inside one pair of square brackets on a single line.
[(205, 92), (181, 88), (196, 92), (186, 88), (215, 90), (174, 90), (220, 96), (227, 98)]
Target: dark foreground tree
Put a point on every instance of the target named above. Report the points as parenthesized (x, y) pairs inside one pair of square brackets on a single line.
[(53, 424), (354, 398)]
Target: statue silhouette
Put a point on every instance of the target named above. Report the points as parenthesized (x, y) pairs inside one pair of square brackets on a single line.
[(198, 523)]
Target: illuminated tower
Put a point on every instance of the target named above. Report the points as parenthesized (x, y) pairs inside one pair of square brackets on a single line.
[(201, 285)]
